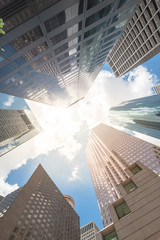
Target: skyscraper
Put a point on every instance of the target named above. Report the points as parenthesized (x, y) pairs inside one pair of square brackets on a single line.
[(53, 50), (136, 215), (16, 127), (38, 210), (141, 115), (89, 231), (157, 88), (109, 152), (140, 41)]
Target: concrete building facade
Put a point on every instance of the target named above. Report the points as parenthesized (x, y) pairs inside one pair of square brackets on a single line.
[(89, 231), (110, 152), (136, 215), (141, 115), (140, 41), (38, 210), (53, 50), (157, 88)]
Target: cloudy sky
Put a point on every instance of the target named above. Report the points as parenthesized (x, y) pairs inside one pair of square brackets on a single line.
[(60, 147)]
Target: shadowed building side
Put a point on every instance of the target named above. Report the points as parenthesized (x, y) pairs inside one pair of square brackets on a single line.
[(38, 210)]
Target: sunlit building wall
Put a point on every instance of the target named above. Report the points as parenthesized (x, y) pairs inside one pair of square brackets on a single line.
[(38, 210), (53, 50), (136, 214), (141, 115), (89, 231), (157, 88), (140, 41), (109, 152)]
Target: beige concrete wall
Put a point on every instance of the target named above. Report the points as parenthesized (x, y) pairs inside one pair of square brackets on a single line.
[(143, 223)]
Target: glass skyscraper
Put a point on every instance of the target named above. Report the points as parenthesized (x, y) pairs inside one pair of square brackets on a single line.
[(53, 50), (141, 115), (17, 124)]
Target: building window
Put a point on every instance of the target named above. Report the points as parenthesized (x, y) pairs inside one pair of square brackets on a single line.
[(129, 187), (111, 236), (122, 210), (136, 169)]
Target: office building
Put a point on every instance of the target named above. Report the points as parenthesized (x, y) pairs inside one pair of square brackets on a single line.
[(13, 124), (141, 115), (16, 127), (136, 215), (140, 41), (157, 88), (53, 50), (109, 152), (89, 231), (38, 210)]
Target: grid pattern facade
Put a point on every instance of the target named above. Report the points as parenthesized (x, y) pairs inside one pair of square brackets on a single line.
[(140, 41), (141, 115), (88, 232), (109, 152), (53, 50), (40, 211), (13, 124), (157, 88)]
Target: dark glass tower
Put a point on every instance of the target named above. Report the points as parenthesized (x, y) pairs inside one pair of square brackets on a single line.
[(53, 50), (141, 115), (38, 210)]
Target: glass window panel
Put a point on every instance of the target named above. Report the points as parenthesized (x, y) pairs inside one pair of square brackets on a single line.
[(122, 210), (98, 15), (27, 38), (28, 68), (92, 3), (8, 50), (123, 2), (6, 70), (1, 58), (95, 29), (111, 236), (130, 187), (136, 169), (61, 49), (59, 37), (20, 61), (35, 51), (55, 21)]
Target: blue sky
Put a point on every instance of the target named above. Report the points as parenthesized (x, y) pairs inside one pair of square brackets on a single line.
[(60, 148)]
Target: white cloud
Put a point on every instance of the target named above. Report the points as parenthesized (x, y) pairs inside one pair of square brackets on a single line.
[(6, 188), (9, 102), (62, 126), (74, 175)]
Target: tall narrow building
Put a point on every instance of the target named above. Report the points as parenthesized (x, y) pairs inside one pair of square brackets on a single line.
[(16, 127), (141, 115), (157, 88), (109, 152), (140, 41), (53, 50), (89, 231), (38, 210)]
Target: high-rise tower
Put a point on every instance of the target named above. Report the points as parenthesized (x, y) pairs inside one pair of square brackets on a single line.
[(157, 88), (141, 115), (53, 50), (109, 152), (16, 127), (140, 41), (38, 210)]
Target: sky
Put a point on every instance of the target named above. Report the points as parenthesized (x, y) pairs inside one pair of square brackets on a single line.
[(61, 146)]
